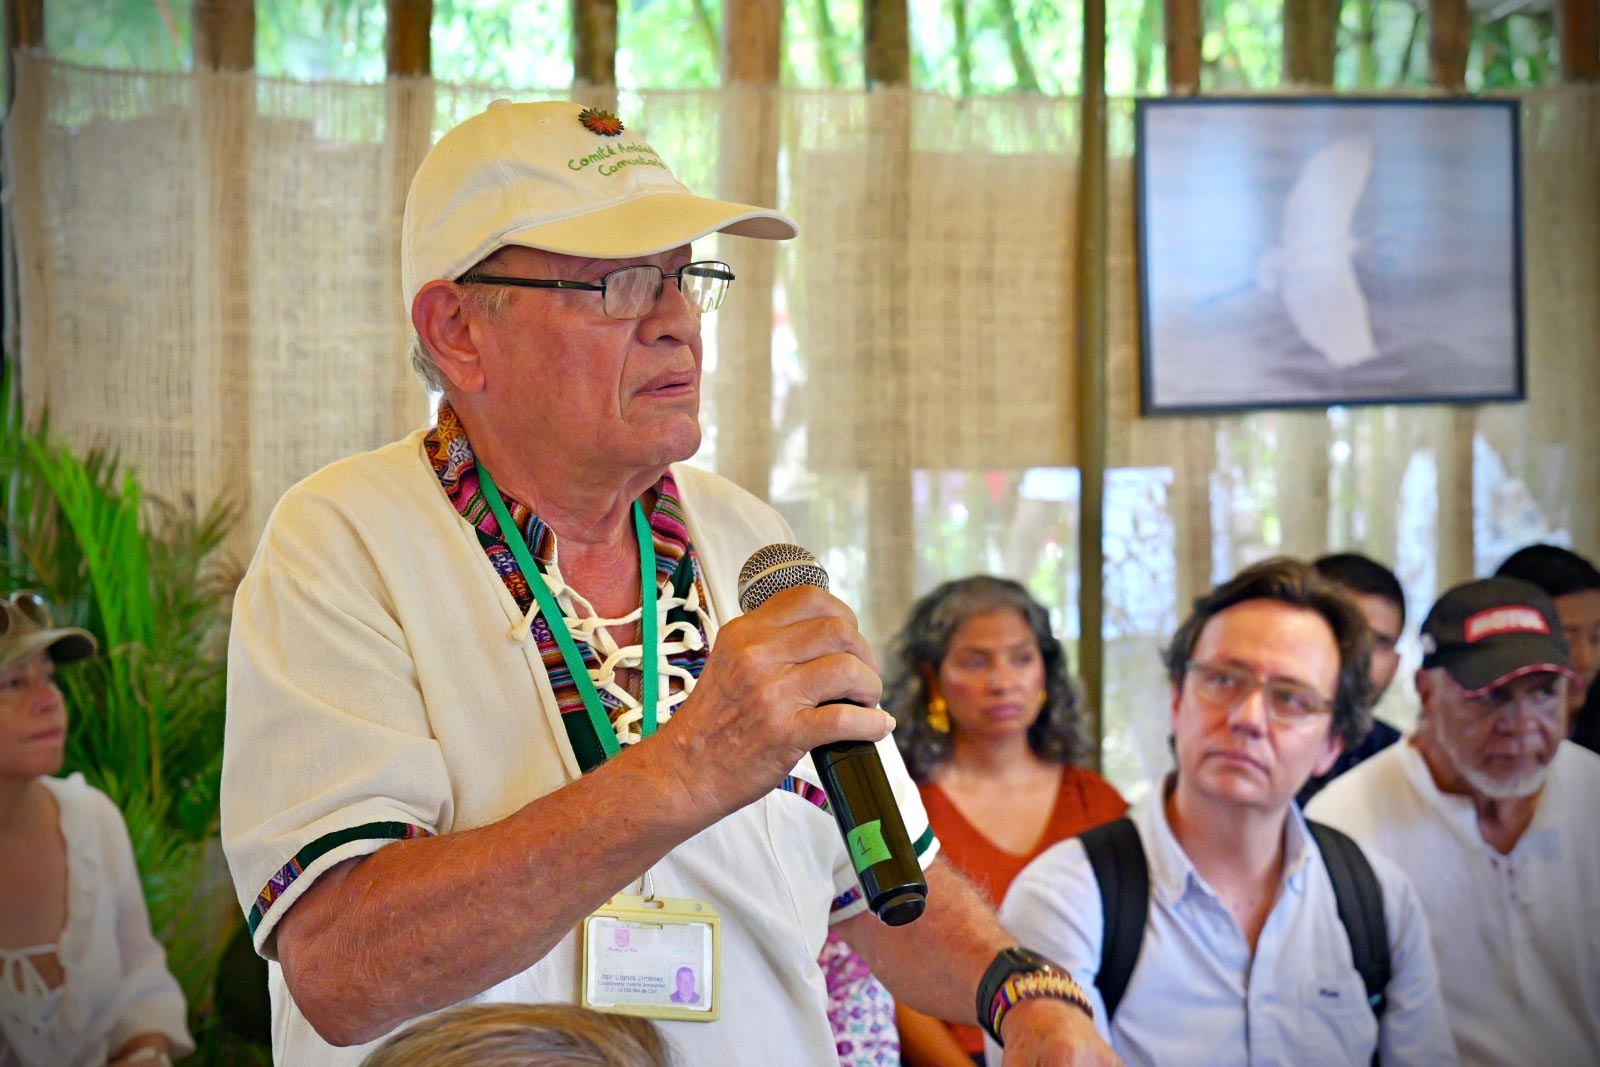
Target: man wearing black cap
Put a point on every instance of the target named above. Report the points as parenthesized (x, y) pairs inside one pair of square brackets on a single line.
[(1491, 813)]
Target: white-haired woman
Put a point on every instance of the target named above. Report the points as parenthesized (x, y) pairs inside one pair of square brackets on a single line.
[(82, 981)]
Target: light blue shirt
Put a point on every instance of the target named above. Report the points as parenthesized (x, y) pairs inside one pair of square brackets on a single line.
[(1197, 996)]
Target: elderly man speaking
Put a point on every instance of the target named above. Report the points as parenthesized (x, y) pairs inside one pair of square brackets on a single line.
[(496, 728)]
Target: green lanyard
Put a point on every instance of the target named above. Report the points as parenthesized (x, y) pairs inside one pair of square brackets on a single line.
[(551, 611)]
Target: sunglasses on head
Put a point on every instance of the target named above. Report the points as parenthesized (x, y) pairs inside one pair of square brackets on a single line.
[(22, 610)]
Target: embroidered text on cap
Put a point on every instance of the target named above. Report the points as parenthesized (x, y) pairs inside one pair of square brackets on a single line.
[(1507, 620)]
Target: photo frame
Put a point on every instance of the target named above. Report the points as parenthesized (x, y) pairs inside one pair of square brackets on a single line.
[(1317, 251)]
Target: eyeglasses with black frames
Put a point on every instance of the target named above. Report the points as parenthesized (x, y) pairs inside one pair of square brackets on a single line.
[(1288, 702), (632, 292)]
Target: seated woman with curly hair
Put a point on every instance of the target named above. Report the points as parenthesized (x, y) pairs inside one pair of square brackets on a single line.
[(988, 724)]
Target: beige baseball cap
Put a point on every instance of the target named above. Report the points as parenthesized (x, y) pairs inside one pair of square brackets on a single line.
[(560, 177)]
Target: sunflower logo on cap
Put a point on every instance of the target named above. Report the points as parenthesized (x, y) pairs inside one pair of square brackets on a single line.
[(600, 121)]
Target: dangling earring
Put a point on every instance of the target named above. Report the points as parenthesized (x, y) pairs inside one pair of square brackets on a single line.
[(1044, 701), (938, 714)]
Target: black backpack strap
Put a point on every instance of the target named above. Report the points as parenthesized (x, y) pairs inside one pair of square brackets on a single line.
[(1355, 887), (1117, 856)]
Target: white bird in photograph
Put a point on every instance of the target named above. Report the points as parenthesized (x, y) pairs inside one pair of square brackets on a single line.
[(1312, 267)]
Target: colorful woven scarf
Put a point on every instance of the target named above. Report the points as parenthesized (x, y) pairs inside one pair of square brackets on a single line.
[(453, 462)]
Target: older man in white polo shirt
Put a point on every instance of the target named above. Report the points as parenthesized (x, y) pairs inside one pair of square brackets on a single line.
[(1493, 816), (497, 730)]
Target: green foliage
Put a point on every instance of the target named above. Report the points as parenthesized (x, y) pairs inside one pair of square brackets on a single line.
[(146, 715), (959, 47), (525, 43), (314, 40), (669, 44), (142, 34), (822, 44), (1514, 51)]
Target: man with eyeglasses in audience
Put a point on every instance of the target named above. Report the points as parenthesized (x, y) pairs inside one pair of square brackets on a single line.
[(1209, 929), (1492, 814), (490, 690), (1377, 593)]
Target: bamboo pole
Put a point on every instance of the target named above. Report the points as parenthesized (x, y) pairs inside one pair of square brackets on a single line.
[(1310, 37), (1449, 33), (225, 34), (887, 27), (1190, 497), (1090, 415), (407, 43), (891, 534), (1449, 37), (1183, 29), (24, 29), (224, 46), (752, 35), (409, 109), (594, 43), (1302, 472), (1578, 31), (747, 172)]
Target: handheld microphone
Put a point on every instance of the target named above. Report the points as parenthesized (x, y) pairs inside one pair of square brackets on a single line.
[(851, 772)]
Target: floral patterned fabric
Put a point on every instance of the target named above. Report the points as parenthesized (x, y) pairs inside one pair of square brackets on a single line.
[(860, 1009)]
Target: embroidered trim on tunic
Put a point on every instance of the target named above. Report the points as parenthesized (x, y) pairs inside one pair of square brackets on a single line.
[(845, 899), (806, 791), (279, 883)]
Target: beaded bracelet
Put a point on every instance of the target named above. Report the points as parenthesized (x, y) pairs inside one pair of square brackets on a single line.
[(1034, 985)]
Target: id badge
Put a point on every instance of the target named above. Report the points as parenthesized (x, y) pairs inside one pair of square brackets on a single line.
[(659, 957)]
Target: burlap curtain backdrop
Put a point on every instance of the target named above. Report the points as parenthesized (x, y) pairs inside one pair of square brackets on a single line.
[(207, 281)]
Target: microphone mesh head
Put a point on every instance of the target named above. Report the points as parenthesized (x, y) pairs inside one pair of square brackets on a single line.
[(773, 568)]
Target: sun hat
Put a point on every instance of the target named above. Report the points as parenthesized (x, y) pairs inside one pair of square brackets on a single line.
[(26, 628), (1487, 632), (555, 176)]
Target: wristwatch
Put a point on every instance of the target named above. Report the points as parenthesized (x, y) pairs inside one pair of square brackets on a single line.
[(1019, 974)]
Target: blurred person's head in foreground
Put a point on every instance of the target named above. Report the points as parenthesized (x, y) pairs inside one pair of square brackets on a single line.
[(523, 1035)]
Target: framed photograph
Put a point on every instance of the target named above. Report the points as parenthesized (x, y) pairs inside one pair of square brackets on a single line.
[(1309, 251)]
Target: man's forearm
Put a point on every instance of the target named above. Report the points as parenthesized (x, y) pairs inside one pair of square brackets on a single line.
[(420, 925), (423, 924), (934, 964)]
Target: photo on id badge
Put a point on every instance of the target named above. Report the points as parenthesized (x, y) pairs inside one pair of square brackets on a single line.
[(658, 969)]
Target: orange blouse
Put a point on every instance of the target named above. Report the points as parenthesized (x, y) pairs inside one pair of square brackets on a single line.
[(1084, 800)]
